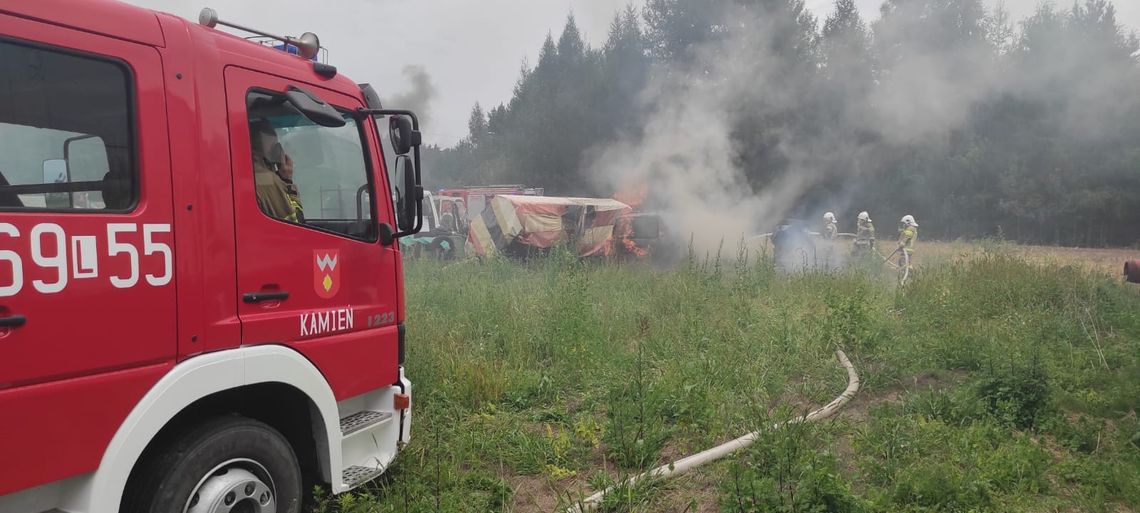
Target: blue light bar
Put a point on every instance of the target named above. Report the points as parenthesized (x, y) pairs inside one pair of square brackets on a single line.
[(287, 48)]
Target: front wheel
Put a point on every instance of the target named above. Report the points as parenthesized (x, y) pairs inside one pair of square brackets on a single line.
[(227, 465)]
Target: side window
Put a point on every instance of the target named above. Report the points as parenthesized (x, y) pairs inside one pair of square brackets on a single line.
[(65, 131), (309, 174)]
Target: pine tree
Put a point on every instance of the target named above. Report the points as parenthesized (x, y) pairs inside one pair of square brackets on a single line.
[(846, 45), (676, 28), (476, 125), (570, 46)]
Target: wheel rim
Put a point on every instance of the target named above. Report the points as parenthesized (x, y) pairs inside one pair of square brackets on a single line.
[(236, 486)]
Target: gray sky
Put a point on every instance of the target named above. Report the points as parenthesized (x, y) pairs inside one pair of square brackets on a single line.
[(471, 48)]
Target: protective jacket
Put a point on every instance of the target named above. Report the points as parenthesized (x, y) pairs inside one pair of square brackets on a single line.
[(907, 237), (865, 235), (276, 196)]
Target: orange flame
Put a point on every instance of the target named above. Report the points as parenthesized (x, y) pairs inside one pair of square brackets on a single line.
[(632, 194), (634, 249)]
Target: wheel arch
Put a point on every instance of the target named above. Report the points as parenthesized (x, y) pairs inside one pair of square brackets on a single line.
[(218, 383)]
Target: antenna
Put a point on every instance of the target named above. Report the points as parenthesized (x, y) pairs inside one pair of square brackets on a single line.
[(307, 45)]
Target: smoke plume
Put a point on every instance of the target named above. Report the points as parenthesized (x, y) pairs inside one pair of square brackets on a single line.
[(420, 93), (738, 136)]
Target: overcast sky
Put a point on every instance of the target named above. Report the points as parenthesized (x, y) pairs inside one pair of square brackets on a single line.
[(472, 49)]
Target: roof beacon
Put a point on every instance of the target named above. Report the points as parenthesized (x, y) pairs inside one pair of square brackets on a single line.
[(307, 45)]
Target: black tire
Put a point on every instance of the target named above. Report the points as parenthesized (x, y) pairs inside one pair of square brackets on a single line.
[(164, 481)]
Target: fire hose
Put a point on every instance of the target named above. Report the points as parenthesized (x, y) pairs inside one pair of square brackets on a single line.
[(906, 263), (887, 258), (688, 463)]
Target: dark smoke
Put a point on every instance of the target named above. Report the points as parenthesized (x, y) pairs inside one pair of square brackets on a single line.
[(419, 95)]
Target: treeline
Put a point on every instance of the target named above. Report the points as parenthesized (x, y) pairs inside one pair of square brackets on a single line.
[(976, 124)]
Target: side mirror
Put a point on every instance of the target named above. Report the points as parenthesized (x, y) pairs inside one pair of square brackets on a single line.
[(404, 132), (404, 136), (408, 202), (314, 108)]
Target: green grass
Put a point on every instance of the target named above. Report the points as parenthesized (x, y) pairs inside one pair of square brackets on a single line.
[(994, 384)]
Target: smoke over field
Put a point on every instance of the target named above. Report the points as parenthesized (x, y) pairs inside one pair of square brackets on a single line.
[(736, 114), (746, 131)]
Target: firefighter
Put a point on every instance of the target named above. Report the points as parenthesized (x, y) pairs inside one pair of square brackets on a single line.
[(830, 230), (273, 174), (447, 219), (908, 232), (864, 234)]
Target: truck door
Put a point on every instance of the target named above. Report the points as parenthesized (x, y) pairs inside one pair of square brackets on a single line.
[(311, 271), (87, 302)]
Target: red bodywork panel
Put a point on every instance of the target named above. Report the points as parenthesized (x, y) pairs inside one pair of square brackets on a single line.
[(103, 17), (90, 351), (95, 407)]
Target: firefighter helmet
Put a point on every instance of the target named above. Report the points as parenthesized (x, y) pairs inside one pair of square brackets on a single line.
[(864, 216), (908, 220)]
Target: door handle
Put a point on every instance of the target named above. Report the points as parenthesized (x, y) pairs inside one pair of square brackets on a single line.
[(257, 297), (13, 321)]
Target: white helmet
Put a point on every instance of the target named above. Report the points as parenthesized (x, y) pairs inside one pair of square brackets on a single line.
[(829, 217), (864, 216), (908, 220)]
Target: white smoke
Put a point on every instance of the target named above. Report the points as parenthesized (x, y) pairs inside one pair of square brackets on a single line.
[(687, 156), (688, 160)]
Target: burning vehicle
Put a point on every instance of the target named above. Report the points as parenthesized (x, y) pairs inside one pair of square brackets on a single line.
[(523, 226), (465, 204), (637, 235), (640, 233), (446, 217)]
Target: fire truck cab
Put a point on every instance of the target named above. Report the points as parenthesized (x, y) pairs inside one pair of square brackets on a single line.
[(201, 297)]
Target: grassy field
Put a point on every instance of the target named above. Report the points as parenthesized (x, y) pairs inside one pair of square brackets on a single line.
[(1104, 261), (999, 379)]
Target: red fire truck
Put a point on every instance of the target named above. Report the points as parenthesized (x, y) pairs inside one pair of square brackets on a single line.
[(201, 297)]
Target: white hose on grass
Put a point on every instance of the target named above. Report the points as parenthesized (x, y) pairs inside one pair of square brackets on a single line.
[(685, 464)]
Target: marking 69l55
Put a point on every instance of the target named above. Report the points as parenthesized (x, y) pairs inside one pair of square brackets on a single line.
[(51, 248)]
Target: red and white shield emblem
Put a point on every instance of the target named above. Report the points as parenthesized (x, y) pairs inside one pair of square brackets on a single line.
[(326, 272)]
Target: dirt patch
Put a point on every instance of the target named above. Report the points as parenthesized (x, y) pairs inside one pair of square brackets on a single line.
[(858, 410), (925, 380), (532, 493), (1123, 508)]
